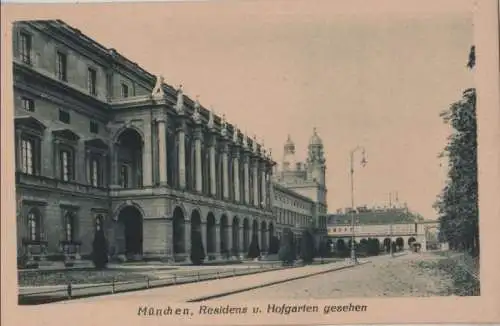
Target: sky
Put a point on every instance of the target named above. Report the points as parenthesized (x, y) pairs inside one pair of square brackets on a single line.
[(373, 77)]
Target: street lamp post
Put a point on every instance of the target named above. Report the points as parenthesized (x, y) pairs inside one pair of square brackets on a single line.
[(363, 163)]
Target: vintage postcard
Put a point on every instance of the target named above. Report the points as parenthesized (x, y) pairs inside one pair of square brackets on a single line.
[(250, 162)]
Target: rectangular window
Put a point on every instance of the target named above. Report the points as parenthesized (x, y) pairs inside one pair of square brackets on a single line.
[(28, 104), (26, 48), (124, 90), (61, 66), (66, 162), (70, 227), (92, 80), (64, 116), (94, 127), (28, 157), (124, 176)]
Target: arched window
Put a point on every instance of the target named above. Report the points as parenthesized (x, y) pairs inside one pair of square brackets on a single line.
[(34, 225)]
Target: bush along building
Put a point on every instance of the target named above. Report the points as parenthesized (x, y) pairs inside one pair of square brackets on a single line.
[(105, 149)]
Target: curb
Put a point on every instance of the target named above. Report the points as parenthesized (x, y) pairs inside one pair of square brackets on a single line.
[(205, 298)]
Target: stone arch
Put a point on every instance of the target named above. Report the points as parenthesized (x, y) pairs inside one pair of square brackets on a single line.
[(178, 232), (400, 243), (411, 241), (124, 128), (196, 231), (387, 244), (130, 232), (130, 148), (211, 234), (223, 227), (263, 236), (127, 204), (246, 234), (235, 235)]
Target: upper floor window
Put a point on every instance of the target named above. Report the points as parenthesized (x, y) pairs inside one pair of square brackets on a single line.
[(28, 155), (64, 116), (28, 104), (61, 66), (66, 163), (94, 127), (26, 48), (124, 90), (92, 81)]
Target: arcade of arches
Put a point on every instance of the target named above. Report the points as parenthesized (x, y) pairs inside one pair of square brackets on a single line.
[(222, 237)]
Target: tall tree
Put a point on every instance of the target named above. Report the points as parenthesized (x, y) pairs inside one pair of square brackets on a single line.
[(457, 205)]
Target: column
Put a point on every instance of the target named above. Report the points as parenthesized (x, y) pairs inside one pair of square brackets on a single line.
[(162, 151), (217, 240), (255, 184), (263, 186), (246, 181), (19, 149), (57, 165), (197, 148), (114, 165), (187, 237), (181, 156), (213, 189), (87, 161), (203, 230), (229, 237), (236, 174), (225, 173), (147, 171), (241, 235), (271, 189)]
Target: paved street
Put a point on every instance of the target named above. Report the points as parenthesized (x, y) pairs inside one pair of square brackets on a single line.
[(384, 276)]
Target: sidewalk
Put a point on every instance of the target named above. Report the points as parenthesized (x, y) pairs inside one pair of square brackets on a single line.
[(205, 290)]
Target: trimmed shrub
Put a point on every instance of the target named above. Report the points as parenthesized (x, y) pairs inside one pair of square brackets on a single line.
[(99, 250), (254, 250), (197, 249), (307, 247), (274, 245), (287, 250)]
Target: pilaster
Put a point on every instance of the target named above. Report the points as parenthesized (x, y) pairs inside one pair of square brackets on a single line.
[(181, 133), (162, 149), (198, 134), (236, 173)]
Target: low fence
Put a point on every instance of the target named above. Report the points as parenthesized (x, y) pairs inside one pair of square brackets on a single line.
[(74, 291)]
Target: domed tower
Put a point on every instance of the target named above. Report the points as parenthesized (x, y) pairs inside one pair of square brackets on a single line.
[(316, 168), (289, 162)]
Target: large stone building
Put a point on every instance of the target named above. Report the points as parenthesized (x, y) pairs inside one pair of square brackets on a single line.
[(103, 144)]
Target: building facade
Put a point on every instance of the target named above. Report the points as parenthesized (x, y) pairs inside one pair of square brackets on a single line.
[(101, 144), (387, 225), (306, 180)]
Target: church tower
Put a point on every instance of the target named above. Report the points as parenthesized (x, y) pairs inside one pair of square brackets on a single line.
[(289, 162), (316, 167)]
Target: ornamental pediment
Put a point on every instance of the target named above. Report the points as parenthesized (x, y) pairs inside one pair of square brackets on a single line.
[(66, 134)]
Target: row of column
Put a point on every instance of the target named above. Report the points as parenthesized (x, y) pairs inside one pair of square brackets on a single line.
[(264, 245), (257, 165)]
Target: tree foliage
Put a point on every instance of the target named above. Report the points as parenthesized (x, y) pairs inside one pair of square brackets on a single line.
[(457, 205), (254, 250), (197, 249), (274, 245), (307, 247), (287, 252)]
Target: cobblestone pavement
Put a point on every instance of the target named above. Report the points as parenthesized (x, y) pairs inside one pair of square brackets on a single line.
[(383, 277)]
